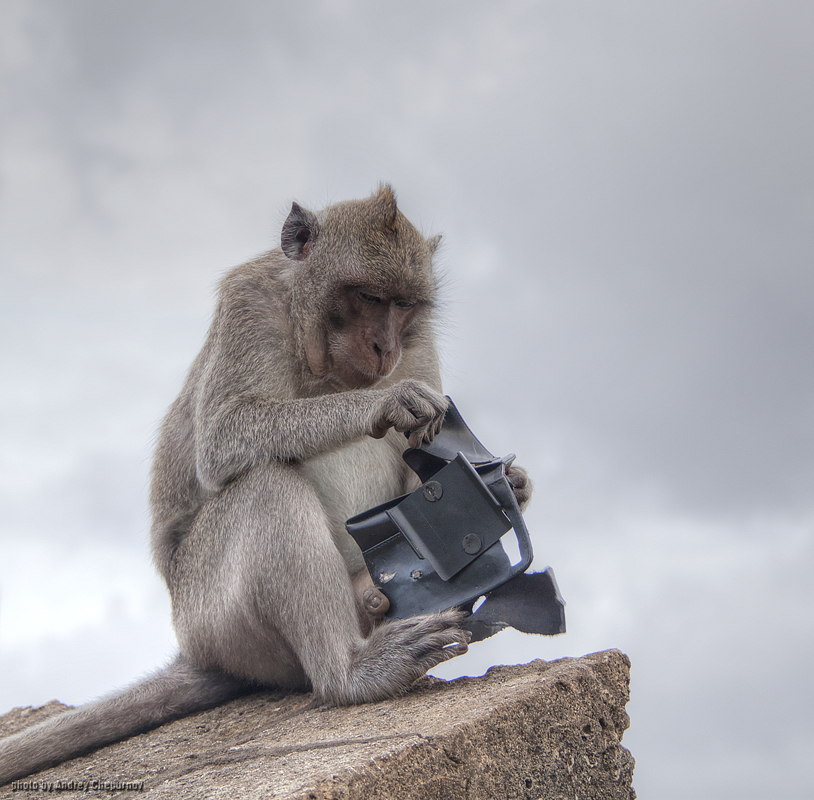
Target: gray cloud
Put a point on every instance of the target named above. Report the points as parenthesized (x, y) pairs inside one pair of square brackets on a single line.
[(627, 196)]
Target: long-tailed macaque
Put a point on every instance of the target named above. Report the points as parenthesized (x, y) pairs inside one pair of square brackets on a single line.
[(320, 358)]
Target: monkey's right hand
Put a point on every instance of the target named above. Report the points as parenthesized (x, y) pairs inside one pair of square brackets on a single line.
[(411, 407)]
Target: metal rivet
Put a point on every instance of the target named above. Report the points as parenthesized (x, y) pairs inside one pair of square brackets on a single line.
[(471, 544), (433, 491), (416, 574)]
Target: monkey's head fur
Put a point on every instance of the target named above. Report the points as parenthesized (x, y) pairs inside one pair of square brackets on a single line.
[(362, 288)]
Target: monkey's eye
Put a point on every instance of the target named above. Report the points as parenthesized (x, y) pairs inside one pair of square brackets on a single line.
[(404, 304), (370, 298)]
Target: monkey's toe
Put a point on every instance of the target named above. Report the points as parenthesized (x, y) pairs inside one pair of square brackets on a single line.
[(375, 602)]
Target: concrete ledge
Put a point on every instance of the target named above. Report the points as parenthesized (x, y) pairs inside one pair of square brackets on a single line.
[(541, 730)]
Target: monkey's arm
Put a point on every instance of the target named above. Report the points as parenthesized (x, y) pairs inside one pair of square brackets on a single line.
[(241, 430)]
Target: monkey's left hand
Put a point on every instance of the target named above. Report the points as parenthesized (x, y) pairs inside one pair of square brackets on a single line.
[(522, 485)]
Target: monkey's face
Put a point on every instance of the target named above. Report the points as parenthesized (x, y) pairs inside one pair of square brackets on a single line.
[(367, 329), (362, 288)]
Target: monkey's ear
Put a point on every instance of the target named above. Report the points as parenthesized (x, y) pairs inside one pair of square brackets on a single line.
[(300, 231), (433, 242), (386, 203)]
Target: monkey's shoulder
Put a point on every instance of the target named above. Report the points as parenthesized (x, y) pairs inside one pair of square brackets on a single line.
[(262, 284)]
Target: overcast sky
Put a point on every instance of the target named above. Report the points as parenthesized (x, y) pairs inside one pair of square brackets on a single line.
[(626, 193)]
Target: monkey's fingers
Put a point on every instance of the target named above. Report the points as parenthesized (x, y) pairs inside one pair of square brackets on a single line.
[(437, 427), (424, 414), (433, 429), (416, 438), (455, 650), (427, 429), (417, 410), (435, 648), (521, 485)]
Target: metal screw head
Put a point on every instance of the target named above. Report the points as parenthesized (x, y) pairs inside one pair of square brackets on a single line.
[(433, 491), (416, 574), (471, 543)]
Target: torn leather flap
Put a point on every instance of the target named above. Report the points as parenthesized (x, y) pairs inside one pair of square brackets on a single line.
[(530, 602)]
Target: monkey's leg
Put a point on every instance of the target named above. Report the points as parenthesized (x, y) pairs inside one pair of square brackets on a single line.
[(263, 593)]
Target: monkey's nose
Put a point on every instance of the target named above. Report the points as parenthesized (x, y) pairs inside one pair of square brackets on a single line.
[(383, 347)]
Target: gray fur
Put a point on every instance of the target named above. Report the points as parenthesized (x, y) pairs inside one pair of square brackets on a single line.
[(291, 420), (175, 691)]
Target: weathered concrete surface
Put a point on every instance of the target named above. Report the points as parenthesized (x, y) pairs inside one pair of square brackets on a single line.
[(542, 730)]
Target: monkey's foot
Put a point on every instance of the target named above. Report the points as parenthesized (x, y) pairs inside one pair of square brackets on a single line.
[(398, 653)]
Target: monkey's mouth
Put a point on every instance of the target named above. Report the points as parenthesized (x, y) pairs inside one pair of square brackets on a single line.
[(354, 376)]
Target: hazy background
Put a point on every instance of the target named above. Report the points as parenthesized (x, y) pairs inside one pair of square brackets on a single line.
[(626, 194)]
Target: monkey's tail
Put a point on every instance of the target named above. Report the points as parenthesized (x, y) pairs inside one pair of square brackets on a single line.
[(175, 691)]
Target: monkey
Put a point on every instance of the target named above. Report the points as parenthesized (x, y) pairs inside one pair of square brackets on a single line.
[(319, 369)]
